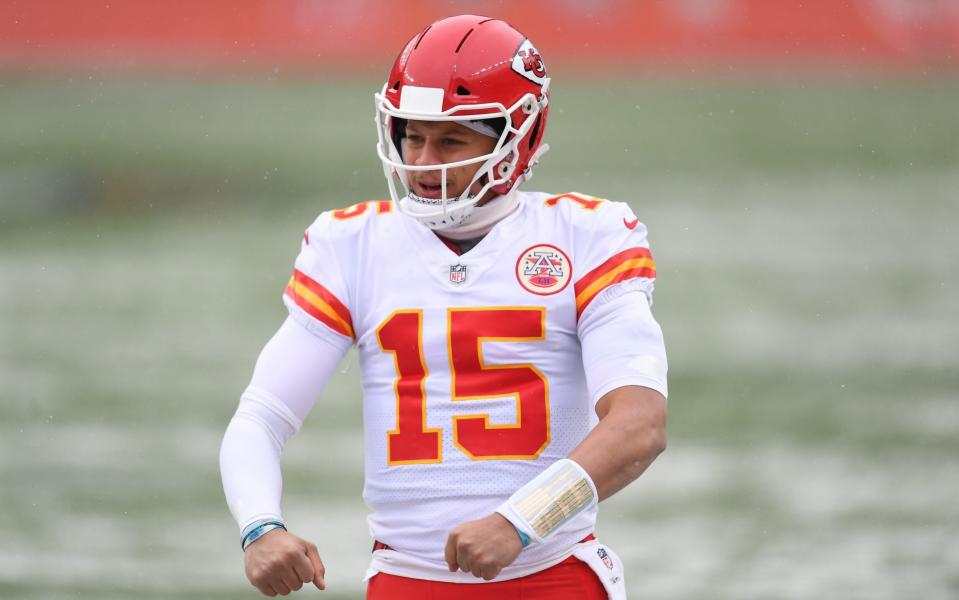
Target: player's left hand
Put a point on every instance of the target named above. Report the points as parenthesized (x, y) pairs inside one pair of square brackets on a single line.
[(483, 547)]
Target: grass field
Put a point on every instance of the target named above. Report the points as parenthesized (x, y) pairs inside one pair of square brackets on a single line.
[(806, 239)]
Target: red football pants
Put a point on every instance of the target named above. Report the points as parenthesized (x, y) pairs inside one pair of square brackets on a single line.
[(571, 579)]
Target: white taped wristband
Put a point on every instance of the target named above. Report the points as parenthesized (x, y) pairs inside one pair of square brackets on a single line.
[(550, 500)]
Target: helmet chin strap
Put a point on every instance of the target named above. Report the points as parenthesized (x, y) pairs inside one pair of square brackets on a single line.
[(481, 219), (424, 211)]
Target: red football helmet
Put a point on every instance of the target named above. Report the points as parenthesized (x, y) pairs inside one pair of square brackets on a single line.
[(479, 72)]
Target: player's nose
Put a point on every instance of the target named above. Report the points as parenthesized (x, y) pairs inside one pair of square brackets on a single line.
[(428, 155)]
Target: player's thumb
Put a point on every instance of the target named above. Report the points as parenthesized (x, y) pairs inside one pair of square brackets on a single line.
[(449, 553), (319, 571)]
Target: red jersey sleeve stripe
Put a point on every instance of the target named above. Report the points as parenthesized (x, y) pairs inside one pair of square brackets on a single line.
[(320, 303), (318, 312), (630, 264), (627, 272), (303, 279), (614, 261)]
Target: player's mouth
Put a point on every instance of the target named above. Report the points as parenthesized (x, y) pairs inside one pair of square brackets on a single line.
[(429, 189)]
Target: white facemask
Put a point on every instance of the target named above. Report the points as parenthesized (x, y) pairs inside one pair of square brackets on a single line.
[(495, 168)]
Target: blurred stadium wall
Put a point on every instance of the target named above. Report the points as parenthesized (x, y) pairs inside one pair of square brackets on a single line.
[(599, 34), (129, 104)]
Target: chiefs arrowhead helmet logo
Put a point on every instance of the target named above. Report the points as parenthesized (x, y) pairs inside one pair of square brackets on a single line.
[(528, 63), (532, 61)]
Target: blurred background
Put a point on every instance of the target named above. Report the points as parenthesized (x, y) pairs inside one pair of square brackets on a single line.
[(797, 164)]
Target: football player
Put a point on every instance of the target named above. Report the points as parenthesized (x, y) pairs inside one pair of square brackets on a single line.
[(513, 375)]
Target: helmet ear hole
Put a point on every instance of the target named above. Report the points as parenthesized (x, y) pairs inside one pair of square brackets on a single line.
[(534, 133), (462, 91)]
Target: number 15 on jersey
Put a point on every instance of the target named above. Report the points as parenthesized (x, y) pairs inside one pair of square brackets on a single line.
[(411, 442)]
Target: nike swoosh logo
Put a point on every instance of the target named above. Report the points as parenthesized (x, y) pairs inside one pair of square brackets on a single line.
[(631, 224)]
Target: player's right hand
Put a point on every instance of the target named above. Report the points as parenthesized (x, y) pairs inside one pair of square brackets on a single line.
[(280, 562)]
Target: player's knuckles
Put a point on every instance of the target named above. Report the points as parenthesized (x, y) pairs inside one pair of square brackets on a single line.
[(258, 576), (489, 563), (476, 550), (266, 573), (467, 545), (281, 560)]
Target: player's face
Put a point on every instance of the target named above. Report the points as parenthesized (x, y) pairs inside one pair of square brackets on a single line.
[(438, 142)]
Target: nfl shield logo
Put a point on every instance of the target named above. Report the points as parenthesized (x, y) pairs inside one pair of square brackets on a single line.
[(457, 274), (601, 552)]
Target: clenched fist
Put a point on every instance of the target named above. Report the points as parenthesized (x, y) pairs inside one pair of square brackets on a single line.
[(280, 562), (483, 547)]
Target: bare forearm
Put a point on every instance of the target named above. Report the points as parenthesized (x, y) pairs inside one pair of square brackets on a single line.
[(630, 435)]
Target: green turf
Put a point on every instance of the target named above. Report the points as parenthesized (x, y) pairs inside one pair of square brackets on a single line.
[(805, 238)]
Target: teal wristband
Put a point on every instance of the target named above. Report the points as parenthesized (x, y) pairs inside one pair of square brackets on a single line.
[(255, 530), (522, 536)]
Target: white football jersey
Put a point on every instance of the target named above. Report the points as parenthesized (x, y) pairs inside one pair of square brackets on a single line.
[(472, 365)]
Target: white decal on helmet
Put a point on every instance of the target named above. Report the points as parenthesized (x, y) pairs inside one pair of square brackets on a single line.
[(423, 100)]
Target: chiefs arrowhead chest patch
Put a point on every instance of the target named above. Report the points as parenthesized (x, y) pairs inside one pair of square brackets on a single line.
[(543, 270)]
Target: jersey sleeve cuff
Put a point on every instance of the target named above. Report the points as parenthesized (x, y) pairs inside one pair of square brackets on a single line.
[(646, 382)]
